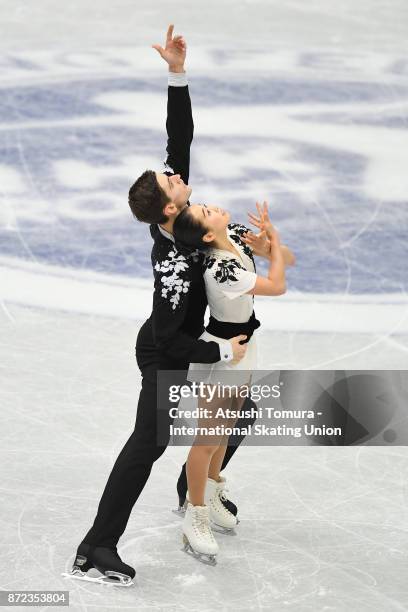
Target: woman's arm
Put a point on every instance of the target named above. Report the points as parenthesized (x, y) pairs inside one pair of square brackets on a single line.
[(288, 255), (275, 282), (260, 246)]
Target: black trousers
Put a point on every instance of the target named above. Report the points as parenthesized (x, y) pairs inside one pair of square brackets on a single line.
[(134, 464)]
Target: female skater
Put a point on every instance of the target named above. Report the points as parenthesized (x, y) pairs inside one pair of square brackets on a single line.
[(231, 282)]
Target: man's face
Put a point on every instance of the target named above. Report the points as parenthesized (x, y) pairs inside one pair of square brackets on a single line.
[(175, 188)]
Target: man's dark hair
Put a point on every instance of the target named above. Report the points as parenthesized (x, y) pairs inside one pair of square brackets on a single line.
[(147, 199), (190, 231)]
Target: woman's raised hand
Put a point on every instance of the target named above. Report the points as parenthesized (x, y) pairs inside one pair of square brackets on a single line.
[(174, 52), (259, 243), (263, 222)]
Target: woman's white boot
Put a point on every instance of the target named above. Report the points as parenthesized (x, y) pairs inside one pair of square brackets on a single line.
[(198, 537), (219, 514)]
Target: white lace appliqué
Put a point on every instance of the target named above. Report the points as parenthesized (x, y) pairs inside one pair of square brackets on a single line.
[(171, 269)]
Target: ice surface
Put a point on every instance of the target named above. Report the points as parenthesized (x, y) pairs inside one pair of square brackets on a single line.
[(321, 528), (301, 103)]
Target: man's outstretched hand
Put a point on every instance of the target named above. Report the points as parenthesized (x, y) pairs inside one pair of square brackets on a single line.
[(174, 52)]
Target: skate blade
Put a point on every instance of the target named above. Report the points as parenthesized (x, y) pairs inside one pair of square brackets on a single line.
[(202, 557), (230, 531), (181, 510), (110, 578)]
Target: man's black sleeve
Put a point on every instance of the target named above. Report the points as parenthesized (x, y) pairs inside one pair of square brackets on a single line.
[(172, 270), (180, 130), (169, 305)]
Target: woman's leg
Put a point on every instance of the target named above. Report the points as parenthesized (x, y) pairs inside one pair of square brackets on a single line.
[(198, 462), (204, 449), (217, 458)]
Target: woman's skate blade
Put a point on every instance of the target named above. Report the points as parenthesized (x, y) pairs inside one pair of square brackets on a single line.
[(110, 578), (202, 557)]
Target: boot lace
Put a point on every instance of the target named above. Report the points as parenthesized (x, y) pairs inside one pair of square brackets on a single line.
[(201, 524)]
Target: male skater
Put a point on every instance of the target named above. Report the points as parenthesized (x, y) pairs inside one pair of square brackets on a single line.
[(167, 340)]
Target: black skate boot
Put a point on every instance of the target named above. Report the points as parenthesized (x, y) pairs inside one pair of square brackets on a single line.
[(100, 564)]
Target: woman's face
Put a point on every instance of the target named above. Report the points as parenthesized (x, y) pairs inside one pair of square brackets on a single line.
[(214, 218)]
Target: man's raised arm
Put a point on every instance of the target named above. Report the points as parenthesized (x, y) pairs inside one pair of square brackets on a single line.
[(179, 123)]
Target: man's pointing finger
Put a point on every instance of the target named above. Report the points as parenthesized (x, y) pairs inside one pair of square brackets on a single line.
[(170, 32)]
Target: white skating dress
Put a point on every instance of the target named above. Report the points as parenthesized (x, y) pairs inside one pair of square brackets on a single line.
[(227, 279)]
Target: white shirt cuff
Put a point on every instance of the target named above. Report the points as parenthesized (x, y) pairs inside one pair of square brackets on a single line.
[(177, 79), (226, 351)]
